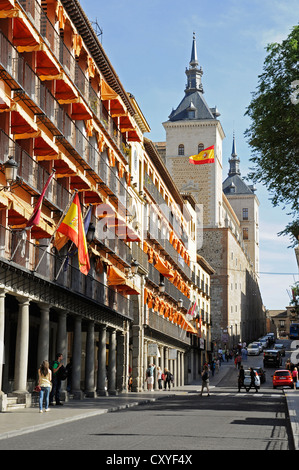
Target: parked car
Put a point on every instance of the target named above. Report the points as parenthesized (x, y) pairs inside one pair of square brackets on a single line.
[(264, 342), (247, 379), (261, 373), (272, 357), (282, 378), (281, 348), (259, 345), (253, 349)]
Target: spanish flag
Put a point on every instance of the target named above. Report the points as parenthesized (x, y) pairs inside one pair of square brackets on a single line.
[(72, 227), (205, 156)]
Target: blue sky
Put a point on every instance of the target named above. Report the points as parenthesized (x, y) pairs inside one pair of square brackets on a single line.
[(149, 45)]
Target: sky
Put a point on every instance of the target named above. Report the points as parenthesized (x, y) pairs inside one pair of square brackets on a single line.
[(149, 45)]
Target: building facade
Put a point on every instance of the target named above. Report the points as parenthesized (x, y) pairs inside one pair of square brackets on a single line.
[(230, 212), (68, 127)]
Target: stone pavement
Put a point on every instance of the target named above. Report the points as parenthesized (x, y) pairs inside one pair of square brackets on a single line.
[(23, 421)]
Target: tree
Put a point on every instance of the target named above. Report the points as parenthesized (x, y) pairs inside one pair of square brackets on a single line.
[(274, 131)]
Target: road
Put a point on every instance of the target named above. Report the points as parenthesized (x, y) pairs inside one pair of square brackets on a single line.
[(227, 420)]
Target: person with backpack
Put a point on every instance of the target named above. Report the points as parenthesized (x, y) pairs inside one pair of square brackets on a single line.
[(205, 380), (150, 377)]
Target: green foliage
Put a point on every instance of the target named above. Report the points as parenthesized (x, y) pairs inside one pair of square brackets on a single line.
[(274, 131)]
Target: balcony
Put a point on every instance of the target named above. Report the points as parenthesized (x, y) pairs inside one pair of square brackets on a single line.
[(78, 77), (156, 235), (166, 328), (31, 90), (34, 175), (32, 258)]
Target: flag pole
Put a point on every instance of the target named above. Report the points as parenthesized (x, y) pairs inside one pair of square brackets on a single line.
[(57, 226), (30, 226)]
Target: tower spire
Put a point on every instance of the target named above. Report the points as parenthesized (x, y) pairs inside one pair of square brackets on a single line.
[(234, 161), (194, 73)]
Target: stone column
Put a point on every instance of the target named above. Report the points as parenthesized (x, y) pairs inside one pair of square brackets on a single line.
[(22, 346), (121, 374), (89, 362), (3, 396), (43, 335), (76, 371), (112, 364), (61, 347), (179, 382), (61, 343), (101, 378)]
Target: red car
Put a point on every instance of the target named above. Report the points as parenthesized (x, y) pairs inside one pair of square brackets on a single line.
[(282, 377)]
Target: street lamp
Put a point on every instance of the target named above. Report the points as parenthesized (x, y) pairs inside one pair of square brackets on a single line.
[(134, 267), (11, 174), (161, 287), (180, 303), (90, 233)]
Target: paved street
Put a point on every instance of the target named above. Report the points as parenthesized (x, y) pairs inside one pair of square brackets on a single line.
[(179, 419)]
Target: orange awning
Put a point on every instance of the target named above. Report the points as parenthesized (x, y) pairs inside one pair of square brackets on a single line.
[(22, 125), (23, 33), (64, 91), (107, 93), (42, 148), (7, 4), (163, 268), (133, 136), (92, 197), (19, 212), (117, 278), (45, 65), (80, 111)]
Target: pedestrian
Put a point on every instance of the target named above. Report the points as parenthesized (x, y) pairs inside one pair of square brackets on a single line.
[(239, 360), (217, 365), (159, 377), (56, 380), (295, 377), (252, 383), (69, 370), (130, 383), (213, 367), (288, 364), (205, 380), (241, 378), (44, 381), (167, 379), (150, 377)]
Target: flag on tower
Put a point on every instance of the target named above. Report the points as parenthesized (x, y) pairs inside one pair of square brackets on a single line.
[(205, 156), (72, 227)]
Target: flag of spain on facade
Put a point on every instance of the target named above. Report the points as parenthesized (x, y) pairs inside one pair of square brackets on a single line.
[(205, 156), (73, 228)]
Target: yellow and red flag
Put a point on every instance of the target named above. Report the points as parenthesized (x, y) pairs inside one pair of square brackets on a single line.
[(72, 227), (205, 156)]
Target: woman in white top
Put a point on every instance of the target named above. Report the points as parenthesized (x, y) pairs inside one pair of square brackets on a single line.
[(44, 381)]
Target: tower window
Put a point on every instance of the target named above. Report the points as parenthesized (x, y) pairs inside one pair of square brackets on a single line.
[(245, 214), (245, 233), (181, 149)]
